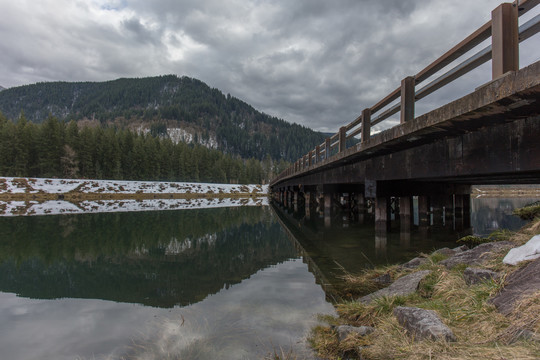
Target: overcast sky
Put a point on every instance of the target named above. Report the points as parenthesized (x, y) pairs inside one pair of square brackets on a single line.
[(313, 62)]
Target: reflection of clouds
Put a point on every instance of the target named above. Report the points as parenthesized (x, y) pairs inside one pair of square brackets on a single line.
[(274, 308), (61, 329)]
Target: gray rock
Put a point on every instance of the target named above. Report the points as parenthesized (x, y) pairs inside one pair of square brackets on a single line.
[(445, 251), (422, 323), (345, 330), (414, 263), (403, 286), (474, 276), (461, 248), (477, 255), (522, 282), (384, 279)]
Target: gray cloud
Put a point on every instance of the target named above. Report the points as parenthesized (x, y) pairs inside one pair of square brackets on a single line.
[(317, 63)]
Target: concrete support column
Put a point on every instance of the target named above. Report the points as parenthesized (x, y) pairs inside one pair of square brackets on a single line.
[(437, 206), (360, 202), (449, 210), (327, 209), (307, 207), (405, 214), (423, 211), (382, 214)]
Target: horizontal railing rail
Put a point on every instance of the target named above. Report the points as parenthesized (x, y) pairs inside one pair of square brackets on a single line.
[(505, 37)]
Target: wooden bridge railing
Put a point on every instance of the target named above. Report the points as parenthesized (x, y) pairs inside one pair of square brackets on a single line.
[(504, 52)]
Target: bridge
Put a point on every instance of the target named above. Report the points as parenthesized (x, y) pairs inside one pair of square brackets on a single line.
[(490, 136)]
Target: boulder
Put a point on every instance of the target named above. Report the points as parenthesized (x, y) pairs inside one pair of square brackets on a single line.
[(520, 283), (474, 276), (529, 251), (461, 248), (344, 331), (445, 251), (403, 286), (384, 279), (414, 263), (477, 255), (421, 323)]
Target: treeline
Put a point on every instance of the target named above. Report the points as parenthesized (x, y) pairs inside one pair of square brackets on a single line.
[(176, 101), (64, 150)]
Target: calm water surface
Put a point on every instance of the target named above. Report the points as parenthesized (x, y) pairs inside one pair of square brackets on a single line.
[(226, 283)]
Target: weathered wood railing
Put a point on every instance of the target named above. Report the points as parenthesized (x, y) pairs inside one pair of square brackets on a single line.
[(504, 52)]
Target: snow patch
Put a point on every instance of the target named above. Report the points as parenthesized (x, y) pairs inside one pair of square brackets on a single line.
[(56, 207), (59, 186)]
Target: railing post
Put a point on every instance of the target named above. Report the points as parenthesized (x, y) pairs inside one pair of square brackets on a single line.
[(366, 124), (342, 139), (504, 39), (317, 154), (327, 148), (407, 99), (310, 156)]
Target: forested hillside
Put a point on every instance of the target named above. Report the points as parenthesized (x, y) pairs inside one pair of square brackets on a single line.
[(64, 150), (184, 109)]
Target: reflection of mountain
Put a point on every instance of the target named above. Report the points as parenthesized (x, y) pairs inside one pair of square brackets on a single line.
[(154, 258)]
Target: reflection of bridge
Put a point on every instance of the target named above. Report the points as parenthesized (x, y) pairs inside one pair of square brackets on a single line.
[(487, 137)]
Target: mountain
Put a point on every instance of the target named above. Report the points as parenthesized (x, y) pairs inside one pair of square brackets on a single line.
[(182, 108), (2, 88)]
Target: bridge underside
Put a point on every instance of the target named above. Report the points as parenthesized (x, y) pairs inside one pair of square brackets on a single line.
[(507, 153)]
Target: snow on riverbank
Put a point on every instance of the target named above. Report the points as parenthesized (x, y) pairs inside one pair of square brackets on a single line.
[(255, 195), (11, 185), (56, 207)]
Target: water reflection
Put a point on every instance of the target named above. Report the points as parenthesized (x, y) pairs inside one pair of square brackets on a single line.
[(333, 243), (198, 284), (156, 258), (490, 214)]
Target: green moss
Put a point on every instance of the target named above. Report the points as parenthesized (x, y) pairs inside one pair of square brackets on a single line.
[(529, 212)]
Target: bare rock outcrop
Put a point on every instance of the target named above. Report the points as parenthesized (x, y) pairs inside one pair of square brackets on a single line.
[(422, 324), (474, 276), (520, 283), (477, 255), (403, 286)]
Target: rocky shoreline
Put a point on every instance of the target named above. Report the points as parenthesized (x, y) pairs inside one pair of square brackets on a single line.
[(460, 303)]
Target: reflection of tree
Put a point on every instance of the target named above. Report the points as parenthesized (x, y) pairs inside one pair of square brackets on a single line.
[(154, 258)]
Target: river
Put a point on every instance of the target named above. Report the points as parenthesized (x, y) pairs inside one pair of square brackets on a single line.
[(220, 283)]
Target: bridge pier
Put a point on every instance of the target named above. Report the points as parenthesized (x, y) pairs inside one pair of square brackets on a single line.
[(405, 214), (382, 214)]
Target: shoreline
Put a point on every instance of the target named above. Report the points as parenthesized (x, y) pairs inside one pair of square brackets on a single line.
[(371, 326), (39, 196)]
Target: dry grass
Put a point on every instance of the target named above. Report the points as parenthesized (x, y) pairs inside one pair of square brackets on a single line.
[(482, 332)]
